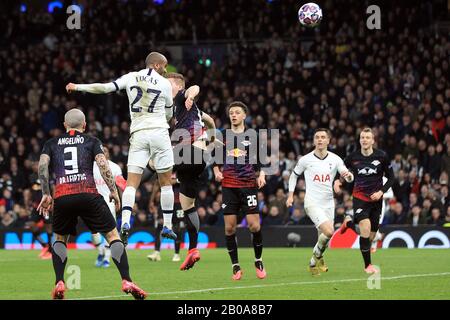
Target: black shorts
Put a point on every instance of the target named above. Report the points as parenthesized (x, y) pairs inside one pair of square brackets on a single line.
[(239, 200), (367, 210), (189, 174), (90, 207)]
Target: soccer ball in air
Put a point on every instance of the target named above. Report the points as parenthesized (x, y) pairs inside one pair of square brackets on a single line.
[(310, 15)]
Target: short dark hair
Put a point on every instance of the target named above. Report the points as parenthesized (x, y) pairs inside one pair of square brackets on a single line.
[(154, 58), (328, 132), (367, 129), (176, 76), (239, 104)]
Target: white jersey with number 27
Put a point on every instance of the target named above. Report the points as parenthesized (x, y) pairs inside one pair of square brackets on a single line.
[(149, 94), (319, 177)]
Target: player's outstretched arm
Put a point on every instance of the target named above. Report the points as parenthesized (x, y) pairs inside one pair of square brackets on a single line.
[(292, 184), (300, 167), (192, 92), (106, 173), (44, 175), (95, 88)]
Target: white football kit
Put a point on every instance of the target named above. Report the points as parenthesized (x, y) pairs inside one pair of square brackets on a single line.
[(149, 95), (102, 188), (319, 178), (388, 195)]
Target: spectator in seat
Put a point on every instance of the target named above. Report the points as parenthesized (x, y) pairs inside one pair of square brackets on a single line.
[(274, 217), (436, 217), (416, 217), (7, 220), (397, 215), (401, 187), (280, 203), (296, 217)]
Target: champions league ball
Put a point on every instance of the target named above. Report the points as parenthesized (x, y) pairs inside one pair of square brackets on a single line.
[(310, 15)]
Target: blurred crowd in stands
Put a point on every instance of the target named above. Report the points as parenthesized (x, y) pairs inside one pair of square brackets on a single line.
[(341, 75)]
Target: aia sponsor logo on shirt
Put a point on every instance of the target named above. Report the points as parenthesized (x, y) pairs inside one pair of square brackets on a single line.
[(236, 153), (322, 178)]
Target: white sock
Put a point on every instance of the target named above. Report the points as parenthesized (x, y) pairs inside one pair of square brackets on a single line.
[(321, 245), (167, 199), (128, 198), (107, 254), (375, 240), (97, 241)]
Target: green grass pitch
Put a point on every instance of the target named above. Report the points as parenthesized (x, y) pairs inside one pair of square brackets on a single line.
[(405, 274)]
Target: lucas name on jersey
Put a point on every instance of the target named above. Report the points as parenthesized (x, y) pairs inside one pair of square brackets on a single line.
[(147, 78)]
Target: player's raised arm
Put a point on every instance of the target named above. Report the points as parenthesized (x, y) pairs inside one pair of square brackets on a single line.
[(95, 88), (99, 88), (44, 175), (190, 95), (298, 170)]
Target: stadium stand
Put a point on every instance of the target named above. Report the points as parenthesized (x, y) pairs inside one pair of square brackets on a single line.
[(341, 75)]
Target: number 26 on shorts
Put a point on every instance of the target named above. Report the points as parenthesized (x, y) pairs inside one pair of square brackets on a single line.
[(251, 201)]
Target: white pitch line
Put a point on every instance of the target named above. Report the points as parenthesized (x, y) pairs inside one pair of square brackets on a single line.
[(274, 285), (31, 259)]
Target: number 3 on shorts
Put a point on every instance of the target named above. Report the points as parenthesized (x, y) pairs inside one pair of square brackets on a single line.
[(251, 201)]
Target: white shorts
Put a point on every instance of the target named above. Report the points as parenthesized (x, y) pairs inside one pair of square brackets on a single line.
[(151, 144), (319, 215)]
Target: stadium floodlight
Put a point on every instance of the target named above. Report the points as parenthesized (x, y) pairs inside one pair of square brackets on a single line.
[(54, 4)]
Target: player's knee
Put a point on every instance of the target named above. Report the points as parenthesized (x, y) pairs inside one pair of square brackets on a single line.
[(60, 238), (328, 232), (230, 230), (254, 227), (112, 235), (364, 230), (165, 172), (165, 178), (326, 228)]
